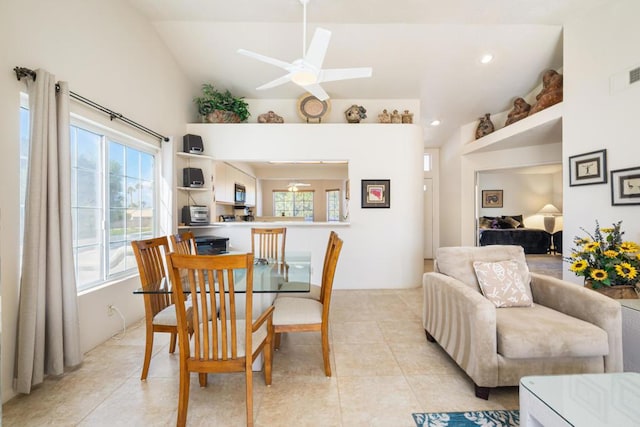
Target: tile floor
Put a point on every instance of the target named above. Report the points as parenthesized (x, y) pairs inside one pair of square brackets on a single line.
[(384, 369)]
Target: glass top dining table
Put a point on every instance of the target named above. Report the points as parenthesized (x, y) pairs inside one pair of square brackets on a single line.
[(268, 276)]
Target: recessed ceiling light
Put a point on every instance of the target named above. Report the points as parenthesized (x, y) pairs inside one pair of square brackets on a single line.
[(435, 122), (486, 58)]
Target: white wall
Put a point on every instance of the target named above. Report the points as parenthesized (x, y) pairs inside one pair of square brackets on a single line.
[(109, 54), (523, 194), (383, 247), (599, 45)]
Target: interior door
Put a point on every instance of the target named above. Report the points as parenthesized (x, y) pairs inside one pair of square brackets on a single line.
[(428, 218)]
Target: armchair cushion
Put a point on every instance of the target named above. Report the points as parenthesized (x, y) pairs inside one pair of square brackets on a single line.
[(457, 262), (525, 333), (503, 284)]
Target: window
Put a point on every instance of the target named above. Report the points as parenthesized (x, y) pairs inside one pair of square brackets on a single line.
[(293, 203), (113, 183), (427, 162), (113, 198), (333, 205)]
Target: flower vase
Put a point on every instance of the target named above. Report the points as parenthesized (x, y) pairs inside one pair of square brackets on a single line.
[(615, 292)]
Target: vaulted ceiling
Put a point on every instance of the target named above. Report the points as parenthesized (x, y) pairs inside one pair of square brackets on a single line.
[(419, 49)]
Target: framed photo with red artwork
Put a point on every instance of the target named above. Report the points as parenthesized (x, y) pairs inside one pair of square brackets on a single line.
[(376, 193)]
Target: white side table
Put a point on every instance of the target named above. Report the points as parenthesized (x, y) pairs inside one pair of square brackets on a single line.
[(583, 400), (631, 334)]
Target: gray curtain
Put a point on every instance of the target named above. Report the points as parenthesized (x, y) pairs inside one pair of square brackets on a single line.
[(48, 327)]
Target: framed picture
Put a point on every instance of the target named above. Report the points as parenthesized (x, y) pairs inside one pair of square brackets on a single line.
[(376, 193), (625, 186), (588, 168), (491, 198)]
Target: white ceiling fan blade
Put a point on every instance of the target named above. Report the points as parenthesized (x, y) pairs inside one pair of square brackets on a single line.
[(267, 59), (317, 91), (333, 74), (277, 82), (318, 48)]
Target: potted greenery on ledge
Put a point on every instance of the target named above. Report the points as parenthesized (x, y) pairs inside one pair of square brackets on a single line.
[(608, 264), (215, 106)]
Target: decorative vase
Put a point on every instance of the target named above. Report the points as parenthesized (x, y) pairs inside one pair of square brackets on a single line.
[(221, 116), (615, 292)]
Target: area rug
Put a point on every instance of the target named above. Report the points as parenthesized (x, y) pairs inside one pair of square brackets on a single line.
[(498, 418)]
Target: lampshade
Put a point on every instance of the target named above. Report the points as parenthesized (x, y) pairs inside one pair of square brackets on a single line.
[(550, 212), (549, 209)]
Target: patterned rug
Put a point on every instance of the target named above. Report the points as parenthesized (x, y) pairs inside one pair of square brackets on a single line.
[(498, 418)]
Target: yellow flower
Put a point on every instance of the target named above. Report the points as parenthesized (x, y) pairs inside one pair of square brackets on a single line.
[(578, 266), (610, 253), (607, 230), (599, 275), (591, 246), (629, 247), (577, 255), (626, 270)]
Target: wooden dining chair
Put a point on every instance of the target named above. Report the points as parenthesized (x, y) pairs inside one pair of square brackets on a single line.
[(229, 343), (315, 291), (307, 314), (159, 310), (269, 244), (184, 243)]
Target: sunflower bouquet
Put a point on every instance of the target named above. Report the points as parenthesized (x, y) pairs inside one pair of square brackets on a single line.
[(605, 259)]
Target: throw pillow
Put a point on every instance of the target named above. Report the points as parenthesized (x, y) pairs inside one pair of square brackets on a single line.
[(485, 222), (512, 222), (502, 283), (517, 218)]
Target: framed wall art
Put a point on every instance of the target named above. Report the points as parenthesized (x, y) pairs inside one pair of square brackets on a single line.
[(491, 198), (376, 193), (625, 186), (588, 168)]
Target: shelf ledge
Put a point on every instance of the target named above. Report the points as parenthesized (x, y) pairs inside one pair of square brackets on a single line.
[(544, 127)]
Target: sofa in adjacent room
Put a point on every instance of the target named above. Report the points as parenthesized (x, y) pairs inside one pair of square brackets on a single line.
[(499, 322)]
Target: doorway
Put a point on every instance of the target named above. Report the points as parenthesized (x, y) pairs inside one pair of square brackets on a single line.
[(428, 218)]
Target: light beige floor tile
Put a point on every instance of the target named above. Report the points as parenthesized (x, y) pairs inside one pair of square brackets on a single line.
[(365, 360), (301, 401), (423, 358), (406, 331), (366, 332), (454, 393), (377, 401), (299, 360)]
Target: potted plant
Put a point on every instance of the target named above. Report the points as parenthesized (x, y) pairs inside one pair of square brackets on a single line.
[(607, 262), (215, 106)]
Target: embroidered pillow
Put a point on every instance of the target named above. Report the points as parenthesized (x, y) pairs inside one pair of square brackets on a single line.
[(502, 283)]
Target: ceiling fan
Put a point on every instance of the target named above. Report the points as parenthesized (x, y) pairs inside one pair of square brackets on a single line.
[(293, 186), (307, 71)]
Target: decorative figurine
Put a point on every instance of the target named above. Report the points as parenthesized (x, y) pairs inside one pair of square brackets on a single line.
[(384, 117), (407, 117), (396, 117), (520, 111), (270, 117), (355, 113), (551, 92), (485, 127)]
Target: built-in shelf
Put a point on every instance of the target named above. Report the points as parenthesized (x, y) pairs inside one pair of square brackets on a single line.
[(182, 227), (543, 127), (194, 156), (193, 188)]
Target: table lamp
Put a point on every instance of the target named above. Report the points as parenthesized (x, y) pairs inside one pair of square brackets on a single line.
[(550, 212)]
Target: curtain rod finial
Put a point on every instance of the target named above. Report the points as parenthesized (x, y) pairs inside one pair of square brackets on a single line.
[(24, 72)]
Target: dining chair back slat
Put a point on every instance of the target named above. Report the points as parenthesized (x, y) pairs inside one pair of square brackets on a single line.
[(184, 243), (270, 244)]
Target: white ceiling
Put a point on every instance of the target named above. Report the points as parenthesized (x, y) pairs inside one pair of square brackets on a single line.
[(419, 49)]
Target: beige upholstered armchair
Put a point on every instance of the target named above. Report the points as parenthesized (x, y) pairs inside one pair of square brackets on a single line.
[(551, 327)]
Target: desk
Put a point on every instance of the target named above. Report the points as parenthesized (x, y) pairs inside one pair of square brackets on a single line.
[(582, 400)]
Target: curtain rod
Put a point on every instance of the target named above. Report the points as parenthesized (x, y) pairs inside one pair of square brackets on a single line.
[(22, 72)]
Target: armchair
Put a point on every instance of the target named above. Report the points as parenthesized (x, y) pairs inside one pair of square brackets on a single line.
[(568, 329)]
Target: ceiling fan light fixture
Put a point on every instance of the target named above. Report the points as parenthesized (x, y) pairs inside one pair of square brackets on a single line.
[(304, 77)]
